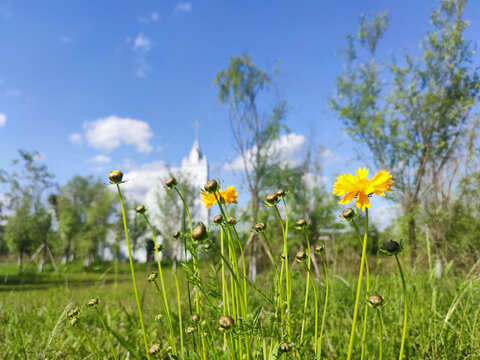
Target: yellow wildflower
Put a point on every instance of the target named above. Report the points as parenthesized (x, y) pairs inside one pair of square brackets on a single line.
[(228, 196), (361, 187)]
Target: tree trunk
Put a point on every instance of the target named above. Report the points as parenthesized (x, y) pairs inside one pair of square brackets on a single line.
[(19, 259), (412, 237)]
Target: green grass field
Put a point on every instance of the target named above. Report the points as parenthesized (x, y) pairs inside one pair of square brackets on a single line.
[(443, 313)]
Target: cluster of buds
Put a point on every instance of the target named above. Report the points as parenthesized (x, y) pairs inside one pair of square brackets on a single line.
[(171, 183), (93, 302), (152, 277), (226, 322), (73, 315)]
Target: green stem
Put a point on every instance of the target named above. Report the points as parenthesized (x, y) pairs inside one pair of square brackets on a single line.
[(179, 310), (90, 343), (324, 306), (380, 333), (162, 283), (132, 270), (278, 279), (106, 333), (306, 288), (404, 332), (186, 209), (359, 287), (315, 340), (367, 270)]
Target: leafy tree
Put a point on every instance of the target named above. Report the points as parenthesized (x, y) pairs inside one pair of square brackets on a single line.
[(29, 225), (413, 121), (245, 89)]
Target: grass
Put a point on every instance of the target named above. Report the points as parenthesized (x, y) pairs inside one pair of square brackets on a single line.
[(443, 313)]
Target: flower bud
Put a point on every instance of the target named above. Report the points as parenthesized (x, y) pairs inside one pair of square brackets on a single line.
[(231, 220), (154, 349), (160, 247), (140, 209), (190, 330), (74, 321), (115, 176), (301, 255), (260, 227), (348, 213), (177, 234), (171, 182), (207, 246), (199, 233), (152, 277), (195, 318), (392, 246), (284, 347), (93, 302), (211, 186), (282, 255), (218, 219), (158, 317), (73, 313), (271, 199), (301, 224), (280, 193), (375, 300), (319, 249), (226, 322)]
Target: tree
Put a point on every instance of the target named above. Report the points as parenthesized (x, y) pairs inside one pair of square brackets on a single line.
[(414, 121), (30, 224), (244, 87)]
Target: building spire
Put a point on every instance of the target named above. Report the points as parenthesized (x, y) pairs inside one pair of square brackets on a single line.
[(196, 125)]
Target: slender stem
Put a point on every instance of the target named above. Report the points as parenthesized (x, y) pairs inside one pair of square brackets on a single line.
[(169, 320), (404, 332), (315, 340), (359, 287), (380, 333), (278, 279), (162, 283), (365, 317), (306, 287), (324, 305), (106, 333), (132, 270), (179, 310), (90, 343), (186, 208)]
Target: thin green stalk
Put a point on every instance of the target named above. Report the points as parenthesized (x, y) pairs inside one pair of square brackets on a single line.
[(380, 333), (287, 269), (169, 320), (367, 271), (278, 279), (404, 332), (315, 340), (359, 287), (162, 283), (179, 311), (106, 333), (186, 209), (90, 343), (132, 270), (327, 285), (306, 287)]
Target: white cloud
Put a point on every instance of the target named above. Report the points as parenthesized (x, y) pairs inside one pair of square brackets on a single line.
[(142, 68), (13, 93), (100, 159), (286, 149), (111, 132), (184, 7), (329, 156), (76, 138), (146, 19), (3, 119), (65, 39), (142, 43), (155, 17)]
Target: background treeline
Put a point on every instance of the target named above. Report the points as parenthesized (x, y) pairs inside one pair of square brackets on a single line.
[(416, 115)]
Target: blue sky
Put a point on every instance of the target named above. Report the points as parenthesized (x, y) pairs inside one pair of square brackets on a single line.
[(72, 71)]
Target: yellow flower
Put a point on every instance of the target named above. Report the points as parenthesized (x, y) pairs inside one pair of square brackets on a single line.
[(361, 187), (228, 196)]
